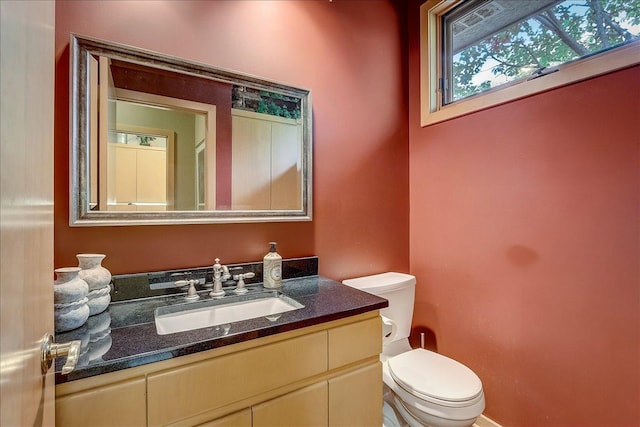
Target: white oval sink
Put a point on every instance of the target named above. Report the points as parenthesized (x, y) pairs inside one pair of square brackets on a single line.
[(202, 314)]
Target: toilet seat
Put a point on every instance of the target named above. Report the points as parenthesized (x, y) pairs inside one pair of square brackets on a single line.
[(435, 378)]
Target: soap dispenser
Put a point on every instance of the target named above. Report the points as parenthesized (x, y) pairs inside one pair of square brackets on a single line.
[(272, 273)]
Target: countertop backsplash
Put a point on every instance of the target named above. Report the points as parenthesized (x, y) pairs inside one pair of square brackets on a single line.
[(161, 283)]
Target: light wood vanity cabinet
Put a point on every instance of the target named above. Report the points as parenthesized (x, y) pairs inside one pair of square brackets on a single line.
[(328, 374)]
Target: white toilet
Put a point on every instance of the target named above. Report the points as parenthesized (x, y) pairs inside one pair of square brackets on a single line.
[(428, 389)]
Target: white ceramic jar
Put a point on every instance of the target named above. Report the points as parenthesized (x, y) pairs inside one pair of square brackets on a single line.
[(92, 271), (70, 309), (68, 286), (98, 278)]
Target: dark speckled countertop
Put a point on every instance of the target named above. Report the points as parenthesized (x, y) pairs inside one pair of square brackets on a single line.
[(124, 336)]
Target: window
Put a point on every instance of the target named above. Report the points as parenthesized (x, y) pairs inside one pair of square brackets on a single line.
[(479, 53)]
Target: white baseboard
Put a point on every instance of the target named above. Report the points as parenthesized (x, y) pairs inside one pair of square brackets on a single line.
[(484, 421)]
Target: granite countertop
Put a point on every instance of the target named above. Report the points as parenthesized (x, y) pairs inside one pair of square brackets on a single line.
[(125, 336)]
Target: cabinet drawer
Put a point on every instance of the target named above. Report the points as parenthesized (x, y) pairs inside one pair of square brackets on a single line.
[(307, 407), (353, 342), (119, 404), (180, 393)]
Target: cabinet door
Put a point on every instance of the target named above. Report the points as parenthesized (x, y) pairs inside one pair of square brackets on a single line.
[(122, 184), (251, 165), (238, 419), (151, 176), (355, 398), (286, 166), (120, 404), (304, 407), (136, 175)]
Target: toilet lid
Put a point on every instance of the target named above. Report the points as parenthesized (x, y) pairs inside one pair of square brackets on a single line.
[(380, 283), (429, 375)]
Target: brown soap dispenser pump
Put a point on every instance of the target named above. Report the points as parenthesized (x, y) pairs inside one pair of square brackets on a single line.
[(272, 272)]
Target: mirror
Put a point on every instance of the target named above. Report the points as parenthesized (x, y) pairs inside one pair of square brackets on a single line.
[(162, 140)]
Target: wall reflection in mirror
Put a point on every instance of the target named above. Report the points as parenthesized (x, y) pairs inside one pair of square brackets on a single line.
[(157, 139)]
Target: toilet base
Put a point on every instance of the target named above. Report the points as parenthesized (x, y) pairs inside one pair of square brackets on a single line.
[(396, 414), (428, 420), (391, 416)]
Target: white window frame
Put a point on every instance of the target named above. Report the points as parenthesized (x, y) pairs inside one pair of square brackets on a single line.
[(432, 110)]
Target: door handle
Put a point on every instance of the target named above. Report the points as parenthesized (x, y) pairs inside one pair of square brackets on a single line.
[(51, 350)]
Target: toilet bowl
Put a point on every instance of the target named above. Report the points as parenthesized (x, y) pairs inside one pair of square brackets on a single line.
[(433, 389), (428, 389)]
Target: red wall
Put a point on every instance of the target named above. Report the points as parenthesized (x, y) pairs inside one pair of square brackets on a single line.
[(348, 55), (525, 243)]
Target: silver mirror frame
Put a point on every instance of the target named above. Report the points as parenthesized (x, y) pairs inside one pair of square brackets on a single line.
[(81, 49)]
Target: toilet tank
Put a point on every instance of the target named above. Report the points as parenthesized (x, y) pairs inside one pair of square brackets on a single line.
[(398, 289)]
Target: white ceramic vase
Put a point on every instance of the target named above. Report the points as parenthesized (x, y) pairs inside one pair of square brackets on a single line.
[(68, 286), (70, 309), (92, 271), (98, 278), (99, 300), (70, 315)]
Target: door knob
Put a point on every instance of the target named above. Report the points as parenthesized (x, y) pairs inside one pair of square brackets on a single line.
[(51, 350)]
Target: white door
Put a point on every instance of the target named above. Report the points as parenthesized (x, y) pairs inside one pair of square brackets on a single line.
[(26, 209)]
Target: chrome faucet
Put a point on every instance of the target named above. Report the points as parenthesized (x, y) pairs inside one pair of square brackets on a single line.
[(220, 274)]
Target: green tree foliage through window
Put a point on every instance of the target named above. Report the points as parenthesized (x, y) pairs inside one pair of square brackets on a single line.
[(262, 101), (563, 32)]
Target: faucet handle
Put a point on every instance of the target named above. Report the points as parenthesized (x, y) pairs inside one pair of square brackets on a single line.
[(243, 276), (192, 294), (240, 289)]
